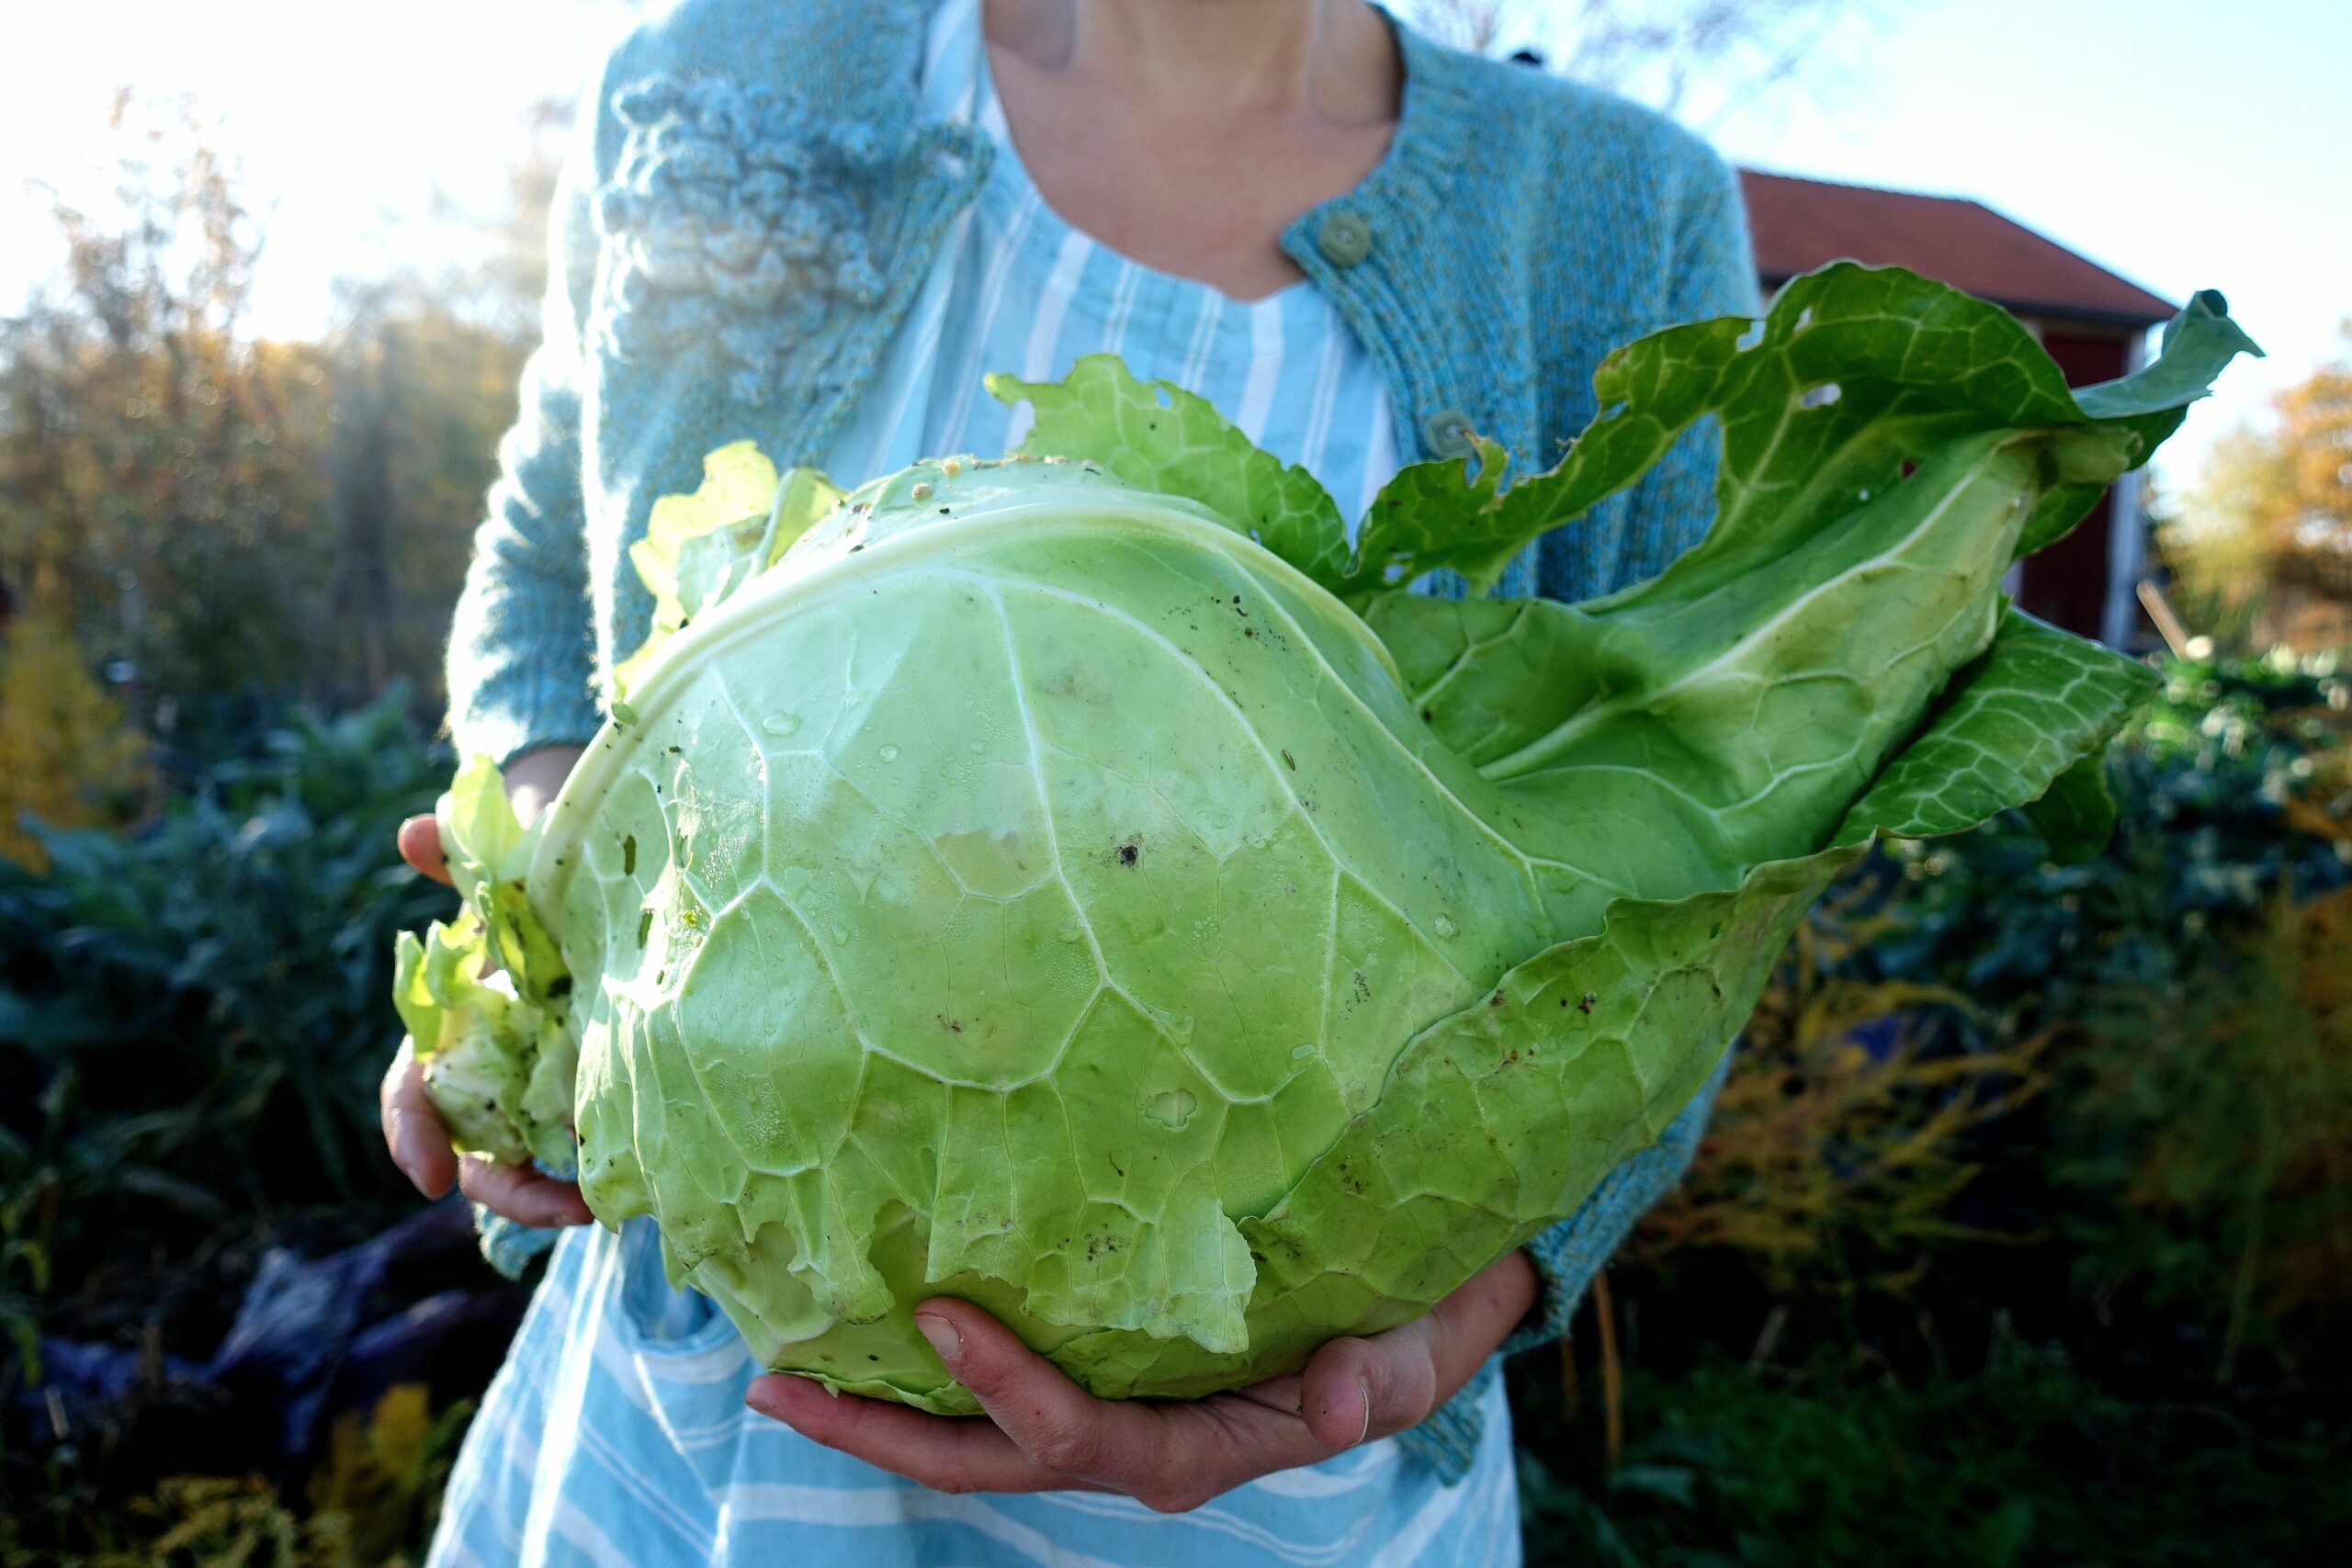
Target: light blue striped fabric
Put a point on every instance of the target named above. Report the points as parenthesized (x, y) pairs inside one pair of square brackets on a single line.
[(602, 1442), (1019, 289), (616, 1433)]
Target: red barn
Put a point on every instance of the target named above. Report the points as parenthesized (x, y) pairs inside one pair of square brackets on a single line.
[(2093, 323)]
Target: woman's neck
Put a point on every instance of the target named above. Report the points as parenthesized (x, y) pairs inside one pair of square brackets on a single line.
[(1189, 133), (1330, 60)]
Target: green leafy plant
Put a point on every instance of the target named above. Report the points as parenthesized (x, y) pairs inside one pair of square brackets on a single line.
[(2234, 782), (191, 1017), (2025, 1460), (2212, 1123), (1090, 884)]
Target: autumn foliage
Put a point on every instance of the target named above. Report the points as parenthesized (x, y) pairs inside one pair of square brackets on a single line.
[(2262, 541)]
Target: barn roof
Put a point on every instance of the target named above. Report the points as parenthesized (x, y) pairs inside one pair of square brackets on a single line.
[(1802, 224)]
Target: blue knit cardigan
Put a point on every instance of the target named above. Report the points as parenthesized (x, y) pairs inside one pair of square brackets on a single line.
[(753, 206)]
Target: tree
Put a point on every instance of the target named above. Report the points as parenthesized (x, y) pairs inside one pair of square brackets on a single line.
[(208, 512), (2262, 540), (422, 390), (1660, 51), (66, 757), (424, 366), (158, 476)]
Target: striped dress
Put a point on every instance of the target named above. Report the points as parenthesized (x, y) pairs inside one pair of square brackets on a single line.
[(617, 1434)]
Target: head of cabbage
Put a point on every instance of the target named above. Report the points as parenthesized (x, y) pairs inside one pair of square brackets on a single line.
[(1090, 884)]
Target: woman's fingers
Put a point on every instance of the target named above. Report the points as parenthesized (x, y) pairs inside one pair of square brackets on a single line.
[(412, 1129), (937, 1451), (419, 843), (1054, 1422), (1356, 1389), (1045, 1433), (1281, 1393), (520, 1193), (419, 1140), (1172, 1457)]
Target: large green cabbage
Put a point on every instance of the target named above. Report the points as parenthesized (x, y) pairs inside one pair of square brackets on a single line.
[(1087, 883)]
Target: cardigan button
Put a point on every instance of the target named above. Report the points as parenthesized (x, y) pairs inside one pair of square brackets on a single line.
[(1344, 238), (1446, 434)]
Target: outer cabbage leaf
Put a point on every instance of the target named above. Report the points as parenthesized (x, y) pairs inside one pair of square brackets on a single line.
[(1081, 887), (1449, 513), (2036, 709), (466, 1034), (489, 853), (1464, 1156), (1737, 706), (2077, 816), (1853, 373), (699, 549), (1158, 436), (486, 997), (1611, 1033)]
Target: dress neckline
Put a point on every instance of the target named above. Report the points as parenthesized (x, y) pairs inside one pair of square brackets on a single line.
[(986, 110)]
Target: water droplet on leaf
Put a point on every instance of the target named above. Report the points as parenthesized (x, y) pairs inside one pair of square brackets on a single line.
[(889, 753), (781, 724)]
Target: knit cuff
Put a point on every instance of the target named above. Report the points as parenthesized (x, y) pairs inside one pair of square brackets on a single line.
[(1447, 1438), (522, 710), (510, 1246), (1567, 1256)]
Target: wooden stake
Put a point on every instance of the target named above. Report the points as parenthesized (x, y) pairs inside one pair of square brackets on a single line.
[(1612, 1405), (2166, 619)]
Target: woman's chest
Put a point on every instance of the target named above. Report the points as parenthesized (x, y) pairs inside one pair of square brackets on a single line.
[(1200, 190)]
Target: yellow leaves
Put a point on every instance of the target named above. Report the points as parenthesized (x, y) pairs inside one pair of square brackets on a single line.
[(2253, 1154), (67, 757), (370, 1501), (738, 482), (2266, 526), (676, 560), (223, 1521), (382, 1463), (1837, 1143)]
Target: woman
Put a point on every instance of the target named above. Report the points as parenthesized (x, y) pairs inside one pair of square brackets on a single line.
[(817, 223)]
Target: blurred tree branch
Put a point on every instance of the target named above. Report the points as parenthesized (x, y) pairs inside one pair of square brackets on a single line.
[(212, 512), (1660, 51), (2261, 540), (156, 489)]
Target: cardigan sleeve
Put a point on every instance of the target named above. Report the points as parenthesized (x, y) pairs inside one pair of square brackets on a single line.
[(1711, 274), (522, 644), (1669, 511)]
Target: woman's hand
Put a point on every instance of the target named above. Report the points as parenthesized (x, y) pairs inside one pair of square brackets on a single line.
[(1044, 1433), (412, 1129)]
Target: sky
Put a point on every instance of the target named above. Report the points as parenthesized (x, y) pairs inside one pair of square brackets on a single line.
[(2183, 143)]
